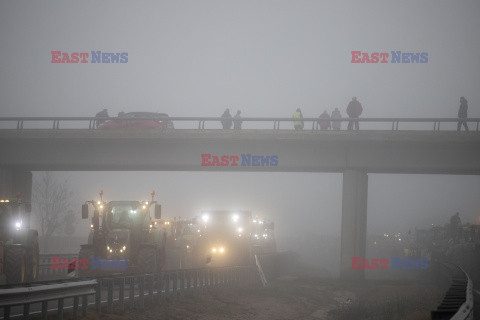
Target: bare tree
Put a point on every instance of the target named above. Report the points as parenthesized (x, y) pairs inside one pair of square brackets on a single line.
[(52, 203)]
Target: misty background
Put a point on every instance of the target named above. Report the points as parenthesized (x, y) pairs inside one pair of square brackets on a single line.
[(266, 58)]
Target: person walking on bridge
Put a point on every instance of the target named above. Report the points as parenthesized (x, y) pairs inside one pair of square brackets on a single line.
[(101, 114), (354, 110), (298, 123), (227, 119), (462, 114), (237, 121)]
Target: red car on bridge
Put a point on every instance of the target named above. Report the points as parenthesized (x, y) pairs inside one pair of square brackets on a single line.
[(136, 120)]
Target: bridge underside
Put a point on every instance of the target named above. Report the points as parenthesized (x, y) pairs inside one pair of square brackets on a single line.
[(355, 154)]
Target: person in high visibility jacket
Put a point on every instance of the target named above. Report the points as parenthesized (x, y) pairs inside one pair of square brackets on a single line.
[(298, 124)]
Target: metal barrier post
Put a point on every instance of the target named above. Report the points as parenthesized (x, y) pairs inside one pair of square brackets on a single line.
[(141, 293), (6, 313), (84, 306), (98, 296), (60, 309), (109, 295), (131, 293), (121, 294), (75, 307), (189, 280), (149, 278), (159, 279), (167, 285), (182, 282), (26, 311), (44, 310), (175, 285)]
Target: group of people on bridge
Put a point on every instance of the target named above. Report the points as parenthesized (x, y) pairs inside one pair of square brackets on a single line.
[(325, 121)]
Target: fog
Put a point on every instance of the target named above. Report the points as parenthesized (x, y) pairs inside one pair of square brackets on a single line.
[(266, 58)]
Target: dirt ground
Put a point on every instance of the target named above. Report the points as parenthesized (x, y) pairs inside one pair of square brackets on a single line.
[(297, 298)]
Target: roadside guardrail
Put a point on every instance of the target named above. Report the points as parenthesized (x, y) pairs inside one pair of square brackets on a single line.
[(125, 290), (33, 293), (89, 122), (458, 301)]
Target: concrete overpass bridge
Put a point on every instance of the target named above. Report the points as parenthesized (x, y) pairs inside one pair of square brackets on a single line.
[(355, 154)]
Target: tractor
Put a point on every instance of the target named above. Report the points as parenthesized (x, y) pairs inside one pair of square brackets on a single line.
[(125, 231), (225, 238), (19, 251)]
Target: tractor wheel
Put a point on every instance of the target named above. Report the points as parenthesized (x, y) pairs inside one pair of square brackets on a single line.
[(147, 260), (86, 253), (32, 259), (15, 268)]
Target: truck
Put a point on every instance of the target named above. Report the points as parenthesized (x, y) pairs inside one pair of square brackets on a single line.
[(123, 231), (19, 249)]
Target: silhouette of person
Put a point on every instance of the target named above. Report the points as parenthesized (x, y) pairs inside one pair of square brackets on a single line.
[(227, 119)]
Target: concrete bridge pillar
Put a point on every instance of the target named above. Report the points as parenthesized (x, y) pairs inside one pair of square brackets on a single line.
[(354, 222), (15, 180)]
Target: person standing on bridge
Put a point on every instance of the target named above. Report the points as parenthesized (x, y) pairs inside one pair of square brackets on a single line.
[(324, 121), (354, 110), (237, 121), (336, 125), (227, 119), (462, 114), (298, 123), (101, 114)]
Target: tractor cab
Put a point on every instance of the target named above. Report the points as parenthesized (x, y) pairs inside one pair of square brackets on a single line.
[(19, 250), (125, 230)]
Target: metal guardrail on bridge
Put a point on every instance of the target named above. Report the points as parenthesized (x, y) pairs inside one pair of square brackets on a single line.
[(91, 121)]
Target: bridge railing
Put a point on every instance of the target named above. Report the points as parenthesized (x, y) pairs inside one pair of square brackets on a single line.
[(372, 123)]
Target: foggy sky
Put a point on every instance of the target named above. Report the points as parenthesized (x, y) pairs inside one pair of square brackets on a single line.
[(195, 58)]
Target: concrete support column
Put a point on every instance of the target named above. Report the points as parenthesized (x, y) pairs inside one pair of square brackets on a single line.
[(13, 181), (354, 222)]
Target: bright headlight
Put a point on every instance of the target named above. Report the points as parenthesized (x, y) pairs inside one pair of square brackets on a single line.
[(235, 217), (124, 247), (221, 250), (205, 218), (214, 250), (18, 224)]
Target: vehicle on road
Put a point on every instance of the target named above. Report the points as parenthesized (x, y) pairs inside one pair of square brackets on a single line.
[(124, 230), (224, 238), (182, 236), (19, 250), (263, 236), (136, 120)]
